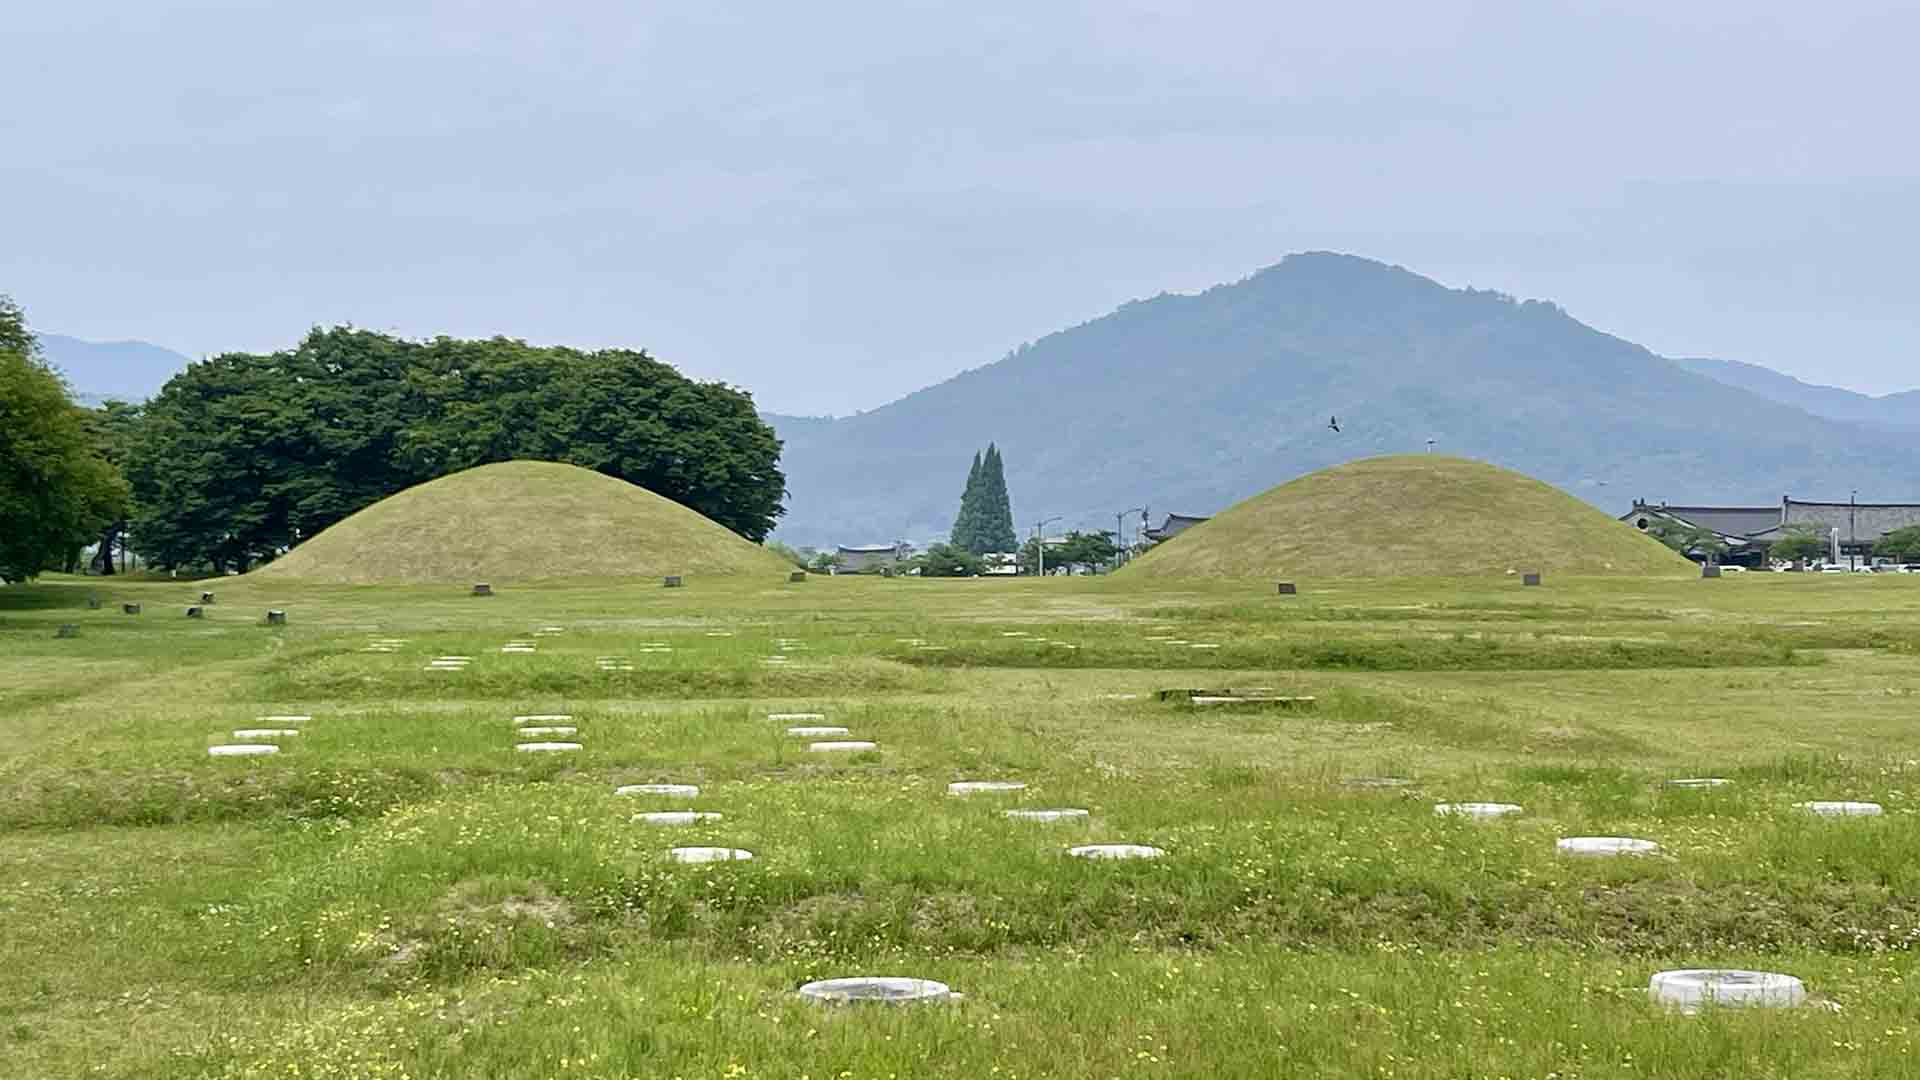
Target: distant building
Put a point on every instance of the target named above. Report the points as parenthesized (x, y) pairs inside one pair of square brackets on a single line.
[(1172, 527), (1748, 531), (855, 560)]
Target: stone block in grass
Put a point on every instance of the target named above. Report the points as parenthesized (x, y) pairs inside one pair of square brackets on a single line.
[(675, 817), (1479, 811), (265, 733), (1529, 579), (671, 791), (196, 612), (1288, 588), (1709, 571), (547, 747), (243, 750), (1840, 808), (841, 747), (876, 990), (130, 609), (481, 588), (709, 855), (984, 787), (797, 577), (1691, 989), (276, 618), (1115, 851), (206, 598), (1059, 814), (673, 581), (1602, 846)]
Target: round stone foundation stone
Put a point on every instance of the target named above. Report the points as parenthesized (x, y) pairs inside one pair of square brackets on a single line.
[(709, 854), (1692, 988), (1605, 845), (879, 989), (1115, 851)]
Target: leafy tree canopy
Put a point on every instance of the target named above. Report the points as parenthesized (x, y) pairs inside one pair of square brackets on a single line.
[(1689, 540), (242, 456), (948, 560), (1798, 543), (1902, 545), (56, 490)]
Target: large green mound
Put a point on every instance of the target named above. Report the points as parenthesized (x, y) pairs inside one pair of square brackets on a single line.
[(522, 521), (1417, 515)]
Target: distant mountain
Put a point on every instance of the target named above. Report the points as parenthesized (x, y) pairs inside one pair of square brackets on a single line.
[(1192, 402), (1900, 410), (99, 370)]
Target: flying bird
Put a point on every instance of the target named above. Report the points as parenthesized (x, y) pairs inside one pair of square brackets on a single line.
[(1333, 422)]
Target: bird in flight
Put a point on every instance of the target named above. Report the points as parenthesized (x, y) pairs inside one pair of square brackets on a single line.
[(1333, 422)]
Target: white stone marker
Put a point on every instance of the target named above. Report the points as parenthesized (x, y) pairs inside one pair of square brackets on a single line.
[(795, 717), (817, 732), (1698, 782), (264, 732), (1605, 845), (1841, 809), (1203, 646), (1066, 814), (1115, 851), (461, 659), (536, 732), (676, 817), (521, 649), (835, 747), (1476, 809), (1119, 697), (543, 718), (283, 719), (969, 787), (880, 989), (243, 750), (709, 854), (719, 633), (1689, 989), (545, 747), (678, 791)]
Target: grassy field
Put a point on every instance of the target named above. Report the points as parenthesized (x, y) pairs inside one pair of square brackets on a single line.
[(400, 893)]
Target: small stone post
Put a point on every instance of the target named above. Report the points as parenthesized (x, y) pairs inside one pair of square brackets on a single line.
[(131, 609), (1288, 588), (797, 577), (482, 589), (196, 611), (276, 617), (1529, 579), (673, 581)]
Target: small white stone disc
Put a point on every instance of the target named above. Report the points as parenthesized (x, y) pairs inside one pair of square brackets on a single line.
[(459, 659), (536, 732), (1605, 845), (832, 747), (1693, 987), (969, 787), (1841, 809), (544, 718), (1476, 809), (1046, 815), (264, 732), (542, 747), (1115, 851), (676, 817), (1699, 782), (884, 989), (817, 732), (244, 750), (513, 650), (709, 854), (795, 717), (678, 791), (283, 719)]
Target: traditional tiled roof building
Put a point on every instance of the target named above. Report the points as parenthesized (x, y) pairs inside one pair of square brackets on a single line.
[(1749, 530)]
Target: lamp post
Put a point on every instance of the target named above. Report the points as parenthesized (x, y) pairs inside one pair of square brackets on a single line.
[(1853, 498), (1040, 543), (1120, 528)]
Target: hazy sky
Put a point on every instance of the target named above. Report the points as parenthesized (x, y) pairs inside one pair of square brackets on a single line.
[(833, 205)]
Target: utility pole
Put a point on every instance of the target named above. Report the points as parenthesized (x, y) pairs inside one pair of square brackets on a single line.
[(1853, 498), (1120, 529)]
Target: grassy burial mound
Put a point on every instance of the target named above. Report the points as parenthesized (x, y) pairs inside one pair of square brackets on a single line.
[(1417, 515), (521, 521)]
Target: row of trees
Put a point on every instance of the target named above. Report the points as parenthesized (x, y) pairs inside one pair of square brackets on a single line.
[(1796, 544), (242, 456)]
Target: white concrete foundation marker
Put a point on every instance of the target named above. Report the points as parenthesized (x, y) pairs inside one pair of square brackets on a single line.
[(289, 719), (677, 791), (543, 718), (455, 659), (817, 732), (537, 732), (243, 750), (795, 717), (1699, 782), (517, 649), (1115, 851), (838, 747), (1690, 989), (1841, 809), (1119, 697), (719, 633), (709, 854), (265, 732), (1605, 845), (879, 989), (1068, 814), (545, 747), (676, 817), (1475, 809), (971, 787)]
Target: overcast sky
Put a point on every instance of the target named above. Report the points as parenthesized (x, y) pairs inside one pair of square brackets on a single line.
[(834, 205)]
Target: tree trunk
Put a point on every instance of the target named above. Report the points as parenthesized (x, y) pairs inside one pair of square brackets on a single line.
[(103, 559)]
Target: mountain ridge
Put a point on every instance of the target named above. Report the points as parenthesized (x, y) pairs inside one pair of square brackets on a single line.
[(102, 370), (1193, 401)]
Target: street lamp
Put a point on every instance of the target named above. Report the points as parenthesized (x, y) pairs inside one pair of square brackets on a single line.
[(1852, 499), (1040, 543), (1120, 528)]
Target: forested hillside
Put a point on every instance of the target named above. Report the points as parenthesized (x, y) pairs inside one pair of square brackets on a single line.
[(1192, 402)]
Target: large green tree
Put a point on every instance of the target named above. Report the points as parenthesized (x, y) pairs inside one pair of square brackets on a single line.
[(56, 491), (1798, 543), (996, 528), (966, 534), (1901, 545), (243, 456)]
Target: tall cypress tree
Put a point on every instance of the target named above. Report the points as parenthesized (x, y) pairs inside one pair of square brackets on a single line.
[(966, 527), (996, 530)]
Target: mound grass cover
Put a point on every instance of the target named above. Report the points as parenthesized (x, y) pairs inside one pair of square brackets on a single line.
[(1409, 516), (521, 521)]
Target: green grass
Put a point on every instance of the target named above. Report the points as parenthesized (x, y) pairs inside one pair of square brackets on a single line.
[(400, 893)]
